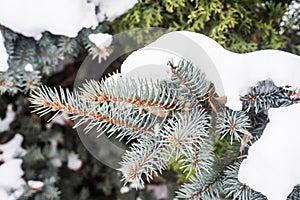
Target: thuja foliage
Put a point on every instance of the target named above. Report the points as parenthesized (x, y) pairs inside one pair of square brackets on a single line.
[(239, 26), (46, 56), (176, 120)]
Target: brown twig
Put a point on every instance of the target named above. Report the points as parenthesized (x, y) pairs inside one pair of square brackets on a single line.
[(136, 101), (56, 106)]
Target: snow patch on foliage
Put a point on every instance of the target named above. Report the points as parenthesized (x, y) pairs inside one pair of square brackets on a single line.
[(29, 68), (291, 17), (53, 154), (238, 72), (101, 40), (3, 55), (74, 163), (35, 184), (61, 17), (273, 163), (10, 117), (111, 9), (223, 68), (12, 148), (11, 181), (124, 189), (149, 64)]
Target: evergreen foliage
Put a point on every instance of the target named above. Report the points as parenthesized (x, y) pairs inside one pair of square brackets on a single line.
[(45, 56), (170, 123), (239, 26), (184, 133)]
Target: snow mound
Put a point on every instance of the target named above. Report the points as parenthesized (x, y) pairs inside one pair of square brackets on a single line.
[(231, 73), (61, 17), (273, 163)]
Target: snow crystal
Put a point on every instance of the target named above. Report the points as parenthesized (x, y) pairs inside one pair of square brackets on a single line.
[(35, 184), (10, 117), (101, 40), (62, 17), (74, 163), (273, 163), (3, 55), (111, 9)]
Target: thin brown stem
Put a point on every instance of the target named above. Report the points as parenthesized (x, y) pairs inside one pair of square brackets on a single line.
[(56, 106), (135, 101)]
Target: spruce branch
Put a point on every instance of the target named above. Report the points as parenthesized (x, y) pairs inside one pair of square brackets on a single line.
[(14, 81), (109, 117), (233, 123), (141, 93), (295, 193), (294, 95), (191, 78), (182, 134), (205, 186), (148, 161), (235, 189), (263, 96), (69, 46), (200, 160)]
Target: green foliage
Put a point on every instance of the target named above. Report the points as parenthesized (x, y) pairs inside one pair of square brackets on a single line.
[(239, 26)]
